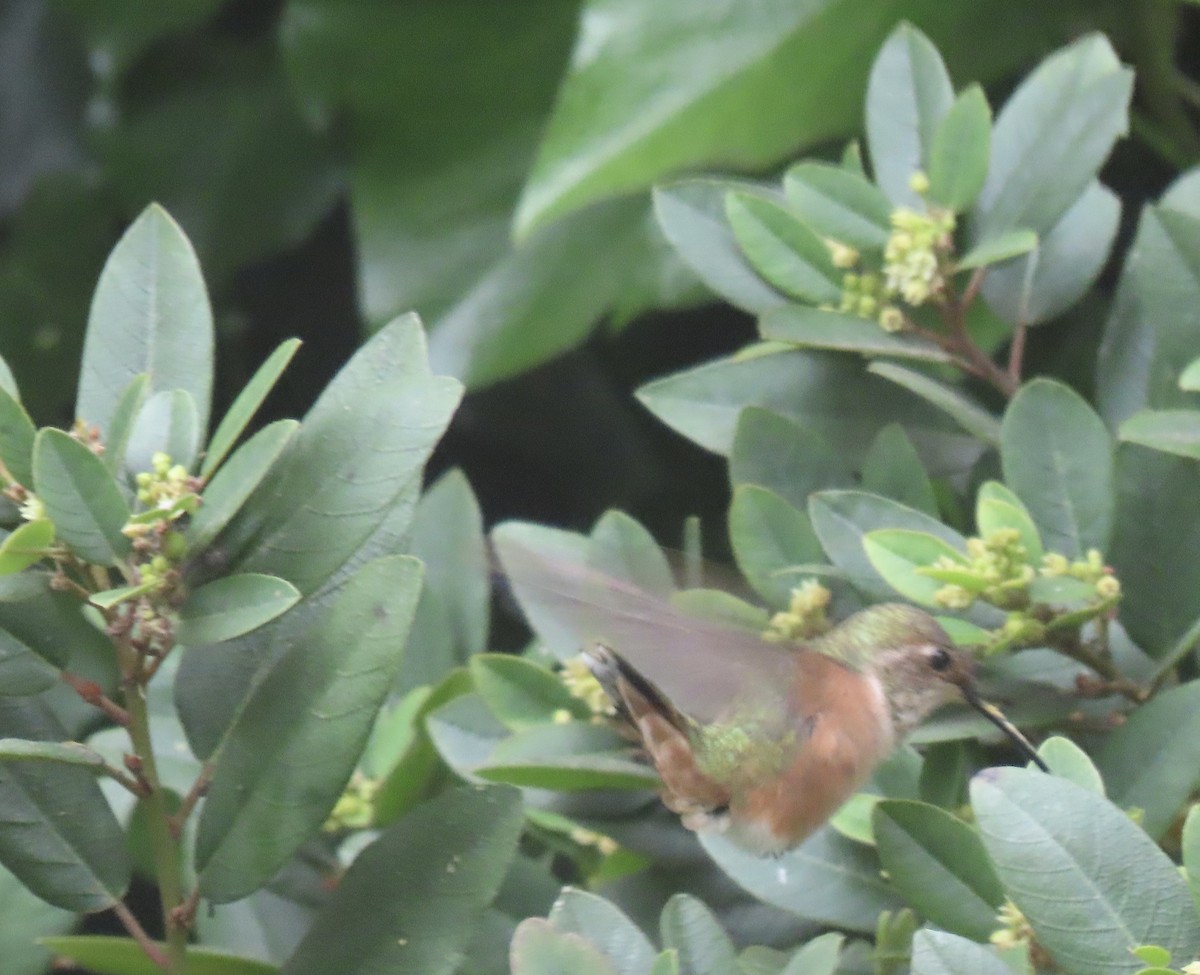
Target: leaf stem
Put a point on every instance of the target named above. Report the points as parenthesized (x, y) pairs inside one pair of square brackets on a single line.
[(151, 947), (198, 789), (1114, 681), (94, 694)]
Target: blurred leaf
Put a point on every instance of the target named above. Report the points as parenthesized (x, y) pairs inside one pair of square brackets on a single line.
[(294, 744), (1189, 379), (769, 537), (1152, 761), (690, 928), (539, 949), (245, 405), (26, 545), (125, 28), (1068, 761), (958, 159), (1190, 848), (27, 921), (818, 957), (692, 217), (166, 423), (465, 733), (16, 438), (942, 953), (150, 314), (893, 468), (520, 693), (410, 902), (908, 94), (939, 864), (816, 328), (839, 204), (1058, 457), (782, 249), (998, 248), (60, 752), (81, 497), (107, 955), (128, 409), (231, 606), (953, 402), (996, 506), (774, 451), (1052, 136), (666, 963), (896, 554), (57, 833), (566, 757), (622, 548), (1171, 431), (36, 618), (1089, 881), (603, 925)]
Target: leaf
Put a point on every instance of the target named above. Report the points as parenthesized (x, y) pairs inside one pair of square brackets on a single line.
[(26, 545), (538, 949), (57, 833), (958, 159), (288, 755), (231, 606), (691, 215), (690, 928), (166, 423), (965, 412), (816, 328), (1058, 457), (998, 248), (16, 438), (37, 619), (27, 921), (1068, 761), (1152, 761), (943, 953), (81, 497), (993, 514), (106, 955), (520, 693), (1171, 431), (1190, 845), (60, 752), (839, 204), (940, 866), (1091, 883), (120, 429), (892, 468), (1052, 136), (1189, 379), (246, 404), (817, 957), (566, 757), (896, 554), (774, 451), (908, 94), (770, 537), (782, 248), (150, 314), (603, 925)]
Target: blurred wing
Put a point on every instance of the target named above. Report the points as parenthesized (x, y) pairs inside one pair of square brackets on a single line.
[(699, 664)]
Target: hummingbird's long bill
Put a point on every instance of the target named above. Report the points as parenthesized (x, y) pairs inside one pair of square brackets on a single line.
[(996, 717)]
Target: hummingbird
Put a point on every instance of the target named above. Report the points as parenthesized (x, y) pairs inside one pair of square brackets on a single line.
[(759, 740)]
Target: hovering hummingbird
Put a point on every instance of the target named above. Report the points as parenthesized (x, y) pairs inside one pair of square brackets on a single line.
[(760, 740)]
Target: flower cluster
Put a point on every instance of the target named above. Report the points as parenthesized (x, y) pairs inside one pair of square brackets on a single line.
[(914, 257), (582, 683), (997, 570), (805, 616)]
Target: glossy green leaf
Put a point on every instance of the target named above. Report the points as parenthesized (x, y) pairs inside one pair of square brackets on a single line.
[(958, 159), (410, 901), (520, 693), (954, 403), (817, 957), (999, 247), (908, 94), (233, 484), (839, 205), (231, 606), (1058, 457), (691, 216), (539, 949), (776, 452), (769, 538), (81, 497), (566, 757), (1068, 761), (294, 744), (816, 328), (465, 733), (1091, 883), (943, 953), (603, 925), (897, 554), (1152, 761), (893, 468), (1171, 431), (150, 315), (690, 928), (57, 833), (1052, 136), (940, 866), (167, 423), (26, 545), (245, 405), (782, 248), (16, 438), (106, 955)]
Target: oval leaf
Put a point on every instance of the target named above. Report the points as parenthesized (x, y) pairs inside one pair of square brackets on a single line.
[(124, 956), (16, 438), (839, 204), (896, 554), (232, 606), (782, 248), (958, 161)]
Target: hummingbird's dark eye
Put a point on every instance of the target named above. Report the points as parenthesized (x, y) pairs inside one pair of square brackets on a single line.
[(939, 659)]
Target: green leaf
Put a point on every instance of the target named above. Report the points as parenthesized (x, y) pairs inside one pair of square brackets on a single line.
[(16, 438), (770, 537), (233, 484), (896, 554), (150, 315), (782, 248), (816, 328), (1068, 761), (691, 929), (942, 953), (231, 606), (106, 955), (667, 963), (621, 548), (465, 733), (27, 921), (1152, 761), (776, 452), (958, 159), (827, 879), (940, 866), (908, 94), (691, 216), (1058, 457), (1153, 955), (1171, 431), (81, 497), (410, 902), (818, 957), (60, 752), (286, 758), (1190, 845), (838, 204), (954, 403), (26, 545), (893, 468), (992, 514), (166, 423), (601, 923), (1189, 379), (998, 248), (566, 757), (57, 833), (1052, 137), (243, 408), (520, 693), (120, 429), (37, 619), (538, 949), (1091, 883)]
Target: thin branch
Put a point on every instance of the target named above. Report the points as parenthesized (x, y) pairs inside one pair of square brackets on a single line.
[(94, 694), (151, 947), (1114, 681), (182, 917), (195, 793), (134, 785), (1016, 353)]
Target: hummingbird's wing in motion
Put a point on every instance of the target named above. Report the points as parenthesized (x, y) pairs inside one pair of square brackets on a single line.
[(700, 665)]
